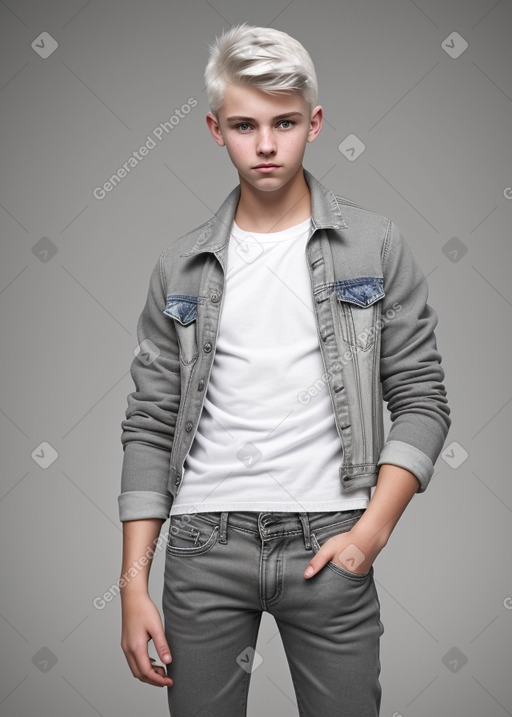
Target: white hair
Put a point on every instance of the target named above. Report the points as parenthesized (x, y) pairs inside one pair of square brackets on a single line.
[(262, 57)]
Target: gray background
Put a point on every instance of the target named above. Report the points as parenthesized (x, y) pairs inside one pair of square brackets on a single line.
[(437, 160)]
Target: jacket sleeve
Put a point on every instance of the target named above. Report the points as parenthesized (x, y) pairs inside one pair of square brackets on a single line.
[(148, 429), (410, 365)]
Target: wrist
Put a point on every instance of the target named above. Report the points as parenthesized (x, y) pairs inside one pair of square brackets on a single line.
[(136, 591), (370, 535)]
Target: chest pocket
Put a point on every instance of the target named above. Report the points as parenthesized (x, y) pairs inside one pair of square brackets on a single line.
[(359, 309), (183, 309)]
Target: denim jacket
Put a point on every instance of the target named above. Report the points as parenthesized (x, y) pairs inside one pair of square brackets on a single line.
[(375, 334)]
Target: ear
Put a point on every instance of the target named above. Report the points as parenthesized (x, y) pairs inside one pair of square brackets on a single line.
[(214, 127), (315, 123)]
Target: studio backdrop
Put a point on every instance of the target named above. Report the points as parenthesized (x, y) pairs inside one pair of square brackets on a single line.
[(105, 158)]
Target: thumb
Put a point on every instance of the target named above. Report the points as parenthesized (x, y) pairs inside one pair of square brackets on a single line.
[(316, 563), (162, 648)]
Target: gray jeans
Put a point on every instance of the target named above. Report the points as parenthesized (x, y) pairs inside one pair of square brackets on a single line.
[(223, 569)]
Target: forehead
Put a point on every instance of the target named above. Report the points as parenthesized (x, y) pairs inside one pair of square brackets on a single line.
[(252, 102)]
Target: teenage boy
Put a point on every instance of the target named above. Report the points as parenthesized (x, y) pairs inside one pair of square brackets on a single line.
[(270, 337)]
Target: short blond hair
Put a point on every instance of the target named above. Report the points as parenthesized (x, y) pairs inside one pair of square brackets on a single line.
[(262, 57)]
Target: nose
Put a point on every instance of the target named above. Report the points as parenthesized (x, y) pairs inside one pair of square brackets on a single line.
[(266, 141)]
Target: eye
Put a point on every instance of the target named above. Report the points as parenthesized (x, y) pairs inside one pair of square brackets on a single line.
[(290, 122), (242, 124)]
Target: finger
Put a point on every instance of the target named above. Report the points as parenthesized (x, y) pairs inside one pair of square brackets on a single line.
[(161, 646), (317, 563), (156, 675), (160, 670), (144, 671)]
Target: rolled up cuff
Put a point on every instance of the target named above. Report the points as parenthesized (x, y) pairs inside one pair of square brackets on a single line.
[(409, 457), (139, 504)]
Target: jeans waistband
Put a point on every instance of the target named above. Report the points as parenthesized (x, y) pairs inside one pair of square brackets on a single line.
[(269, 523)]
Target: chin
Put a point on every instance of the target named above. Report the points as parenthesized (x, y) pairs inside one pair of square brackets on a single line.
[(270, 186), (262, 180)]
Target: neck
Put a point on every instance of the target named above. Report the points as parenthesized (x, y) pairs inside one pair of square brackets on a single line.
[(265, 212)]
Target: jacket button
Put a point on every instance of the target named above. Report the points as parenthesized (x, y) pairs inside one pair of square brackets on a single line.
[(338, 387), (188, 426), (207, 347), (346, 425), (215, 297), (200, 385), (177, 481)]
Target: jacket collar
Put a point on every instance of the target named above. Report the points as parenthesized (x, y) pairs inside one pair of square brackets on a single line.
[(325, 211)]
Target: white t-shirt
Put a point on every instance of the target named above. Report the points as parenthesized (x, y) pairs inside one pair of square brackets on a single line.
[(263, 442)]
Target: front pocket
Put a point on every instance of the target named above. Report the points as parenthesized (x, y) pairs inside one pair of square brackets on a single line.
[(359, 309), (190, 535), (328, 532)]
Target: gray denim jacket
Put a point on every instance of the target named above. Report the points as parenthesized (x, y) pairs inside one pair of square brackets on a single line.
[(375, 333)]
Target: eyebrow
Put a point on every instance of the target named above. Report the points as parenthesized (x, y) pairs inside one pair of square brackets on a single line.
[(285, 115)]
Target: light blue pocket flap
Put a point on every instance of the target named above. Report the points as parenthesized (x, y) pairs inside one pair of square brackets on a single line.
[(362, 291), (182, 308)]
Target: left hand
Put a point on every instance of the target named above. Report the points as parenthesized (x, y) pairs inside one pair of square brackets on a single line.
[(355, 551)]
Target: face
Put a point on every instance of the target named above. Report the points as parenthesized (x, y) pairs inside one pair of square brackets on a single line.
[(258, 128)]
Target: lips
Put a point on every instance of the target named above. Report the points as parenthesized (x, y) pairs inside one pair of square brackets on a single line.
[(266, 168)]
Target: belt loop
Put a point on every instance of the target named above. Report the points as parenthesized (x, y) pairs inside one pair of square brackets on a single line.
[(223, 536), (303, 517)]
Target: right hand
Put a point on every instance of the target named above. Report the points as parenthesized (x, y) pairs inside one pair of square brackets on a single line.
[(141, 622)]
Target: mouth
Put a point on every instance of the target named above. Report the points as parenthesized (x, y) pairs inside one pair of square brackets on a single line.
[(268, 167)]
